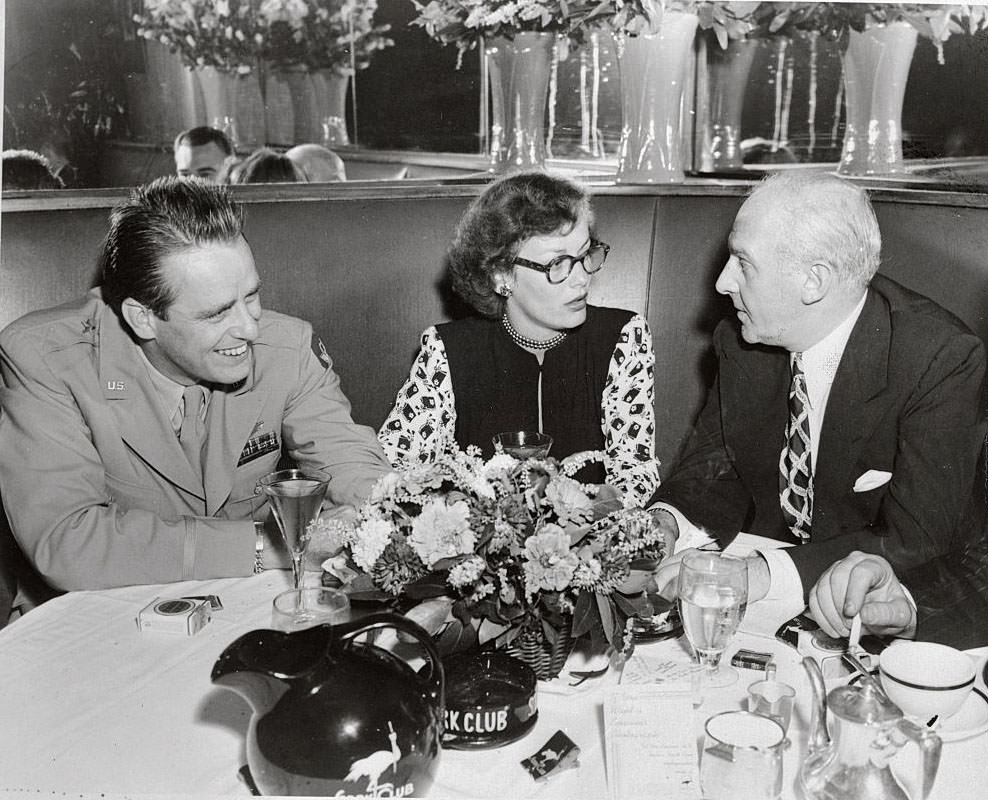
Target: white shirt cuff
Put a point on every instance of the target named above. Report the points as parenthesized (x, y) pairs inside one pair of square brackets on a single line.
[(690, 535), (785, 586)]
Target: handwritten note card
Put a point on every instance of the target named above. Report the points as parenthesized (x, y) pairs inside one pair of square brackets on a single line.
[(641, 670), (651, 743)]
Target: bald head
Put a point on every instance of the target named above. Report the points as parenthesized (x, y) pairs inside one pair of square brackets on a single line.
[(319, 164), (820, 216)]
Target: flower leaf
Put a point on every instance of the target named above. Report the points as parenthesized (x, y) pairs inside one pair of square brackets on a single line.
[(584, 615), (456, 637)]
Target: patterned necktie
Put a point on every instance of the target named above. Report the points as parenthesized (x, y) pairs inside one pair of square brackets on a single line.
[(192, 436), (795, 464)]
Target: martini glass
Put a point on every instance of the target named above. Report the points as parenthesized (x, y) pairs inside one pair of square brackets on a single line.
[(296, 497), (524, 444)]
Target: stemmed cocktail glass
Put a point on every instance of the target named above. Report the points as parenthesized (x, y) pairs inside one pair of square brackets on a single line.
[(713, 596), (296, 497)]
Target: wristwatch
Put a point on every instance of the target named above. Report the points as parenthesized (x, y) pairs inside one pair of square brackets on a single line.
[(258, 548)]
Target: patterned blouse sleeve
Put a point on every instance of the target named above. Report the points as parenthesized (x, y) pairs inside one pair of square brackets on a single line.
[(629, 415), (422, 423)]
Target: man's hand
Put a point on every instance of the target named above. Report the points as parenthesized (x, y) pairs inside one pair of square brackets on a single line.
[(667, 524), (667, 576), (865, 583)]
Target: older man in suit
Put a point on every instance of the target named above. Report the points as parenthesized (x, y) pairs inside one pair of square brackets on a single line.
[(137, 419), (847, 412)]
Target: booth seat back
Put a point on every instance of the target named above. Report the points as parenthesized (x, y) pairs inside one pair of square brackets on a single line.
[(368, 273)]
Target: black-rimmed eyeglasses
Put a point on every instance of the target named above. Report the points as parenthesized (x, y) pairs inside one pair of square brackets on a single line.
[(559, 269)]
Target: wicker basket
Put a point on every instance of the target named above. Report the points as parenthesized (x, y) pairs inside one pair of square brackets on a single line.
[(532, 647)]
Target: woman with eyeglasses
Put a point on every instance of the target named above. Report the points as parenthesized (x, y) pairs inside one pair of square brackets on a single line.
[(538, 356)]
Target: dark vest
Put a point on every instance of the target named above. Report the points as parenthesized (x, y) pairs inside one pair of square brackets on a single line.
[(496, 384)]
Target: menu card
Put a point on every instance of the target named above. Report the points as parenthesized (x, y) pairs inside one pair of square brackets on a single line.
[(651, 742)]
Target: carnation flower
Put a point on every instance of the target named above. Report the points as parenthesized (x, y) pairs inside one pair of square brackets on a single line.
[(368, 541), (569, 501), (549, 562), (397, 567), (441, 531)]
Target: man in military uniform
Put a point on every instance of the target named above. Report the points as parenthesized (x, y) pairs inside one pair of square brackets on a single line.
[(137, 419)]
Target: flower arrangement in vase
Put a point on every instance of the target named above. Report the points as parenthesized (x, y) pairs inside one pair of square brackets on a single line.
[(466, 22), (337, 35), (498, 548), (876, 43), (224, 34), (315, 47)]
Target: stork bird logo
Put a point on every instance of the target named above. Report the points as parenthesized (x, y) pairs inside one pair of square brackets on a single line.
[(373, 766)]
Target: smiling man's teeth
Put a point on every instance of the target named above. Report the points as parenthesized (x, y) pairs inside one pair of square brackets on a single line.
[(233, 351)]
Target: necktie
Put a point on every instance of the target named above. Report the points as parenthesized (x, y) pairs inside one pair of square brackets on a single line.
[(795, 463), (192, 435)]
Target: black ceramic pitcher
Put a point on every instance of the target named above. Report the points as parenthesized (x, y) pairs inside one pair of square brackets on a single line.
[(336, 716)]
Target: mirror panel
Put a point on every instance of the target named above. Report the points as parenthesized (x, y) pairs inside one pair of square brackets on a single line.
[(104, 105)]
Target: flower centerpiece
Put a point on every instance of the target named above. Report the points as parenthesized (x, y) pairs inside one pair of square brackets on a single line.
[(500, 548)]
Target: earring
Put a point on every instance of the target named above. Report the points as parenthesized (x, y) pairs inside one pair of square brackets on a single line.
[(504, 290)]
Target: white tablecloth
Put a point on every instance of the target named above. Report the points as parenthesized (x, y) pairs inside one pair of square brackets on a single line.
[(89, 705)]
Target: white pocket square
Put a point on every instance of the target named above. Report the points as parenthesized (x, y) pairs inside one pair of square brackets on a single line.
[(872, 479)]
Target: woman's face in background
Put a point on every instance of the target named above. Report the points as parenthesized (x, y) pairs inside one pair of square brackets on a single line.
[(539, 309)]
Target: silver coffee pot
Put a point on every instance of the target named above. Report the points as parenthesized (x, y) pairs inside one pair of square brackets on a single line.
[(849, 756)]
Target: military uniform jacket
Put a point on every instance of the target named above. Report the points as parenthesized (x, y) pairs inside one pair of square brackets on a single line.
[(94, 481)]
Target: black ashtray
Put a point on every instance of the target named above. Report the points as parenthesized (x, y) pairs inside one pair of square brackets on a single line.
[(490, 700)]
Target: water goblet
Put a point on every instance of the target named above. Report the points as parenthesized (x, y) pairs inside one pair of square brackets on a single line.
[(296, 497), (713, 596), (524, 444)]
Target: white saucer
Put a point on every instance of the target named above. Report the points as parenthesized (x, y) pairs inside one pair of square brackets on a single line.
[(970, 720)]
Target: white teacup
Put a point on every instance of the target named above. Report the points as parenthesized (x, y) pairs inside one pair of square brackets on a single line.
[(926, 680)]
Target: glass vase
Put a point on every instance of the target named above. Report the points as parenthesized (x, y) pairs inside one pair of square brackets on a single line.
[(727, 75), (519, 70), (233, 105), (329, 93), (219, 95), (301, 94), (876, 68), (654, 69)]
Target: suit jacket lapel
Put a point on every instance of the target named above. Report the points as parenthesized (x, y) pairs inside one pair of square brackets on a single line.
[(233, 416), (141, 419), (855, 401)]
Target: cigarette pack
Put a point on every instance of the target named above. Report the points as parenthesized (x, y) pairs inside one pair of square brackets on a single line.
[(182, 616)]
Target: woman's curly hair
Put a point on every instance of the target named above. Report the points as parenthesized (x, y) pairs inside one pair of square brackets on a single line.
[(511, 210)]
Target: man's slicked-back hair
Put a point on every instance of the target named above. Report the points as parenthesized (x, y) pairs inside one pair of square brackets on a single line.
[(826, 218), (166, 216), (203, 135)]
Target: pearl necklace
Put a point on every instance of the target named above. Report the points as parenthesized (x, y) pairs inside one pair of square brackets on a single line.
[(531, 344)]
